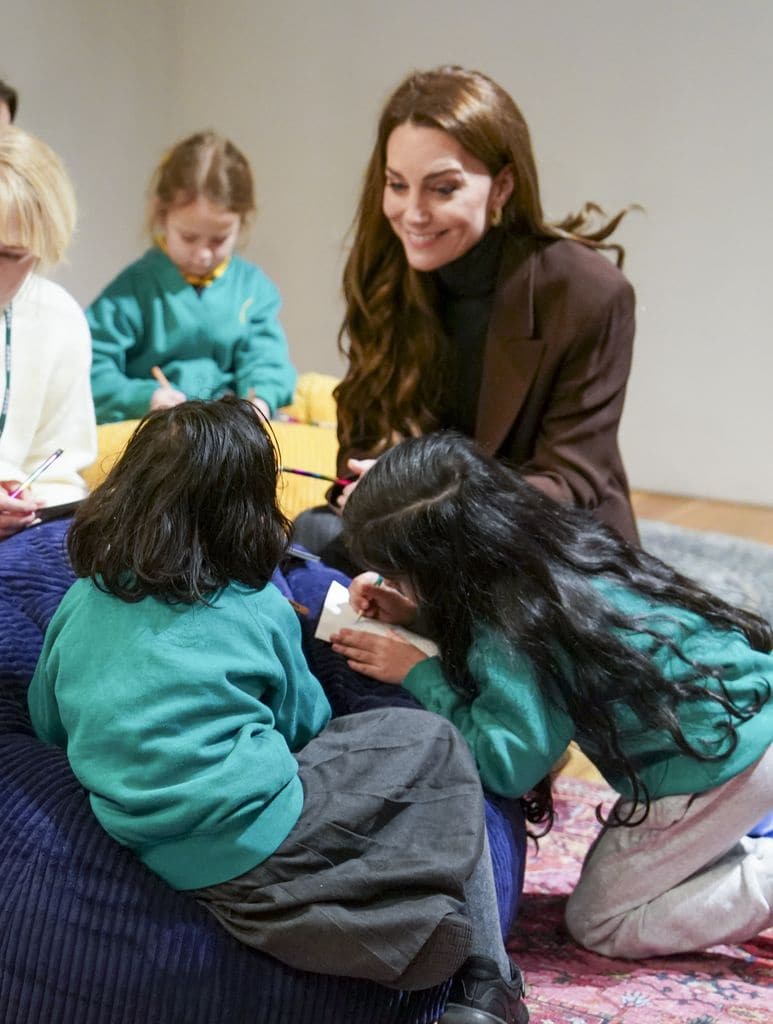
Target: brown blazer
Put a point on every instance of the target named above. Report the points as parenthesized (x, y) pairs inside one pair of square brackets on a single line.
[(555, 368)]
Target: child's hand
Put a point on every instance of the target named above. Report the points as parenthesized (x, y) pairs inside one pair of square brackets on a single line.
[(359, 467), (16, 513), (387, 659), (383, 602), (165, 398), (261, 406)]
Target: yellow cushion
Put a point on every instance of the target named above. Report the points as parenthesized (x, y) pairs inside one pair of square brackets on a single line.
[(304, 447), (301, 445), (313, 401), (310, 444), (112, 438)]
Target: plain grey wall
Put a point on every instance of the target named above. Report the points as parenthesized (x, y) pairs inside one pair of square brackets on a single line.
[(93, 80), (664, 104)]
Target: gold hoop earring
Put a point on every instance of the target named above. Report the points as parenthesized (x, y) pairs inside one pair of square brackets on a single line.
[(496, 216)]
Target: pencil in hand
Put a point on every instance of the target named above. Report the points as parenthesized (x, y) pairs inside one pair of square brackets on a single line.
[(378, 582), (36, 473), (160, 376)]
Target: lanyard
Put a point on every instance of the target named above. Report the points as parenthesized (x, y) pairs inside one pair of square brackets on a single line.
[(7, 395)]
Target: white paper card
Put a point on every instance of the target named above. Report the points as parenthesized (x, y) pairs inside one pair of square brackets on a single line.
[(337, 614)]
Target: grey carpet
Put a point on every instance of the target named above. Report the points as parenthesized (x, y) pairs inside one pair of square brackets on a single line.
[(737, 570)]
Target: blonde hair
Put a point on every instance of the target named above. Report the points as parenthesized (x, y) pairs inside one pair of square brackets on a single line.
[(37, 200), (204, 164)]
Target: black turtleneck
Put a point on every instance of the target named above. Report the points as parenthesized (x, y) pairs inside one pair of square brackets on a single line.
[(465, 299)]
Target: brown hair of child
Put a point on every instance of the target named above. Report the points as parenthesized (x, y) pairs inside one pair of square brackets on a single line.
[(204, 164)]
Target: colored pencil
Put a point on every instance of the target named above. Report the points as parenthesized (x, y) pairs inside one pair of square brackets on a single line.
[(379, 581), (161, 377), (318, 476)]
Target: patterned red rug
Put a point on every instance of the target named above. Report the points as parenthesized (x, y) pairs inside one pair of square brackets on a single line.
[(568, 985)]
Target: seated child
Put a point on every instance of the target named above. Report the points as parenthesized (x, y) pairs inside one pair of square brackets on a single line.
[(45, 399), (552, 628), (173, 676), (204, 316)]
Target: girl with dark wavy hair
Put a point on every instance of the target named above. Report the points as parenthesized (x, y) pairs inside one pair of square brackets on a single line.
[(172, 674), (467, 309), (552, 628)]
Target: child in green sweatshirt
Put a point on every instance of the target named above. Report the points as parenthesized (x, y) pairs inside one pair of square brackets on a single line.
[(552, 628), (172, 674), (190, 307)]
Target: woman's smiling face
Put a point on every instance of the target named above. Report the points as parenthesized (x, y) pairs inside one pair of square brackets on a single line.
[(438, 198)]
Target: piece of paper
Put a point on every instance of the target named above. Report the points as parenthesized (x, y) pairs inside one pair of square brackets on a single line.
[(337, 614)]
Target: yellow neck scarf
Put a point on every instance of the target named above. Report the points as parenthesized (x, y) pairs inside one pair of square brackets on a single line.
[(197, 282)]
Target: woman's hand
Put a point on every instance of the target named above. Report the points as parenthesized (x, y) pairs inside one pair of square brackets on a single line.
[(165, 398), (380, 601), (16, 513), (359, 467), (387, 659)]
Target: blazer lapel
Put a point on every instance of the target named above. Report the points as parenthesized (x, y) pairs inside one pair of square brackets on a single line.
[(512, 353)]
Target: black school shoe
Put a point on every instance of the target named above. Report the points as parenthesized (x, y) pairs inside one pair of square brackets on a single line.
[(480, 995)]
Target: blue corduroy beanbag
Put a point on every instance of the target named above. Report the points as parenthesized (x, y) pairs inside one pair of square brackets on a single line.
[(90, 936)]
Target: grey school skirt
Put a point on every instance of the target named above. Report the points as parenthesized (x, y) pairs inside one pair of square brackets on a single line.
[(370, 882)]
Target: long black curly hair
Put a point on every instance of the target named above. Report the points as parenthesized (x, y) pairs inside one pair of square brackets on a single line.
[(481, 547)]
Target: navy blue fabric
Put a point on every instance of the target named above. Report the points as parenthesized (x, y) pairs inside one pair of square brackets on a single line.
[(764, 827), (90, 936)]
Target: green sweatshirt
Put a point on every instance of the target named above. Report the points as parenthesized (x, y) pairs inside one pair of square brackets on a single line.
[(181, 722), (225, 337), (516, 734)]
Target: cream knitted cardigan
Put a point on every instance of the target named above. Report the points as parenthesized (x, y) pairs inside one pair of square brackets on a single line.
[(50, 395)]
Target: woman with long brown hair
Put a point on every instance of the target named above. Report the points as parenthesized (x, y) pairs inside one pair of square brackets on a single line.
[(466, 308)]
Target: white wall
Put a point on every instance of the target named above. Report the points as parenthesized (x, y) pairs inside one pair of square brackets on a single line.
[(664, 104), (93, 79)]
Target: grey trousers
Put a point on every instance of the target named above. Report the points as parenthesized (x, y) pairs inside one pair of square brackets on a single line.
[(685, 879), (371, 882)]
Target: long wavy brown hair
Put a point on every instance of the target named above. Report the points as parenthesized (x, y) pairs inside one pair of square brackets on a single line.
[(391, 332)]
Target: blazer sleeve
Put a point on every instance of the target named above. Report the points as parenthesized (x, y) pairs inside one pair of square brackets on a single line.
[(576, 451)]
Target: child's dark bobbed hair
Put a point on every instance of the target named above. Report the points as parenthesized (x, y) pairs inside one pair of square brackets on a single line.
[(189, 507)]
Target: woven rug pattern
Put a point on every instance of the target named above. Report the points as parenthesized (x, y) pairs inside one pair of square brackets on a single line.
[(568, 985)]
